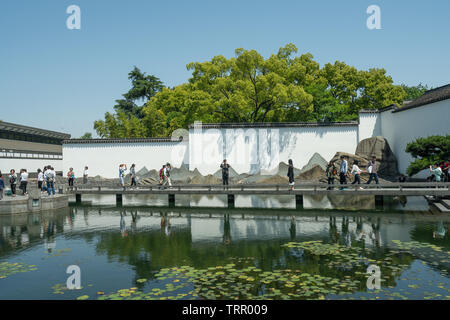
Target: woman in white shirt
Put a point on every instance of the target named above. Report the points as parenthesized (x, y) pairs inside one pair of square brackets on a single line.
[(23, 181), (356, 171), (40, 179), (85, 174)]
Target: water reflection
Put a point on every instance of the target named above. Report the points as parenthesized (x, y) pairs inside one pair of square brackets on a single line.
[(339, 202), (214, 226), (148, 239)]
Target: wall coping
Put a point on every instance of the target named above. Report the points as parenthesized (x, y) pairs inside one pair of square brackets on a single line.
[(275, 125), (119, 140)]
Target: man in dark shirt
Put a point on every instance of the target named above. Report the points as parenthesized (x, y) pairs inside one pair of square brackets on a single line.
[(225, 171), (372, 170), (445, 170)]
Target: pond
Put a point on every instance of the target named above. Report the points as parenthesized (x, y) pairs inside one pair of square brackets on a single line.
[(145, 253)]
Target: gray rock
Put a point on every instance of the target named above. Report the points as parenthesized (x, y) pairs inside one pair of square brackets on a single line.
[(283, 169), (142, 171), (231, 173), (379, 147), (316, 159)]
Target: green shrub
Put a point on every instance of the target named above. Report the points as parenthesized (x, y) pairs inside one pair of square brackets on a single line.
[(428, 151)]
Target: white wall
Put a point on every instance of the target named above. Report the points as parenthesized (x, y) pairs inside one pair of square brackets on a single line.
[(249, 150), (369, 125), (30, 164), (400, 128), (104, 158)]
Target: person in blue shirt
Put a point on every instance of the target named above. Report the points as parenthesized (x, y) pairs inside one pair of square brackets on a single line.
[(122, 169), (436, 171)]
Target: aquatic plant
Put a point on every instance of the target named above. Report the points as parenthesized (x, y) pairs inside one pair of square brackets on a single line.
[(7, 269)]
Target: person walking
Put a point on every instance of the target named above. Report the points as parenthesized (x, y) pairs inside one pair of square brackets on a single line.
[(40, 179), (2, 185), (70, 177), (23, 181), (161, 176), (343, 168), (446, 171), (167, 179), (49, 177), (133, 175), (122, 169), (225, 171), (290, 174), (44, 183), (356, 171), (372, 170), (13, 181), (331, 173), (85, 174)]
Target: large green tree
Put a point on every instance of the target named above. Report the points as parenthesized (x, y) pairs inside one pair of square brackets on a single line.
[(128, 119), (285, 87)]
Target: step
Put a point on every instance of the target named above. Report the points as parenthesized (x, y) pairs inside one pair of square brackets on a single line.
[(441, 207), (446, 203)]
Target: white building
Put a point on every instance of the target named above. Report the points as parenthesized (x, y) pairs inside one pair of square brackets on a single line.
[(251, 148)]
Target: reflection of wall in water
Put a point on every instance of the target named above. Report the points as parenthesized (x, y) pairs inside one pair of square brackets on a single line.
[(261, 201)]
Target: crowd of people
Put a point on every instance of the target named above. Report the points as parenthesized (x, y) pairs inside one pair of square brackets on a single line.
[(440, 172), (333, 172), (45, 181), (46, 177), (344, 172), (164, 176)]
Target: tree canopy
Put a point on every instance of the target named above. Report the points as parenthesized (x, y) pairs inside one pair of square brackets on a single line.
[(87, 135), (414, 92), (285, 87), (127, 122)]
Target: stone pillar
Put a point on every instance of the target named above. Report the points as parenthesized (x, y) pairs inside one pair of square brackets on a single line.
[(171, 200), (34, 200), (379, 202), (119, 199), (299, 201), (230, 198)]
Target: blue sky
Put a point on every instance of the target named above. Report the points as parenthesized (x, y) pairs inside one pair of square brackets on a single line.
[(60, 79)]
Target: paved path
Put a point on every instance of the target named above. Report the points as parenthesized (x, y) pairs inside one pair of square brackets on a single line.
[(393, 189)]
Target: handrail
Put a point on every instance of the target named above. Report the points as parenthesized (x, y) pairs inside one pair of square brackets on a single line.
[(209, 187)]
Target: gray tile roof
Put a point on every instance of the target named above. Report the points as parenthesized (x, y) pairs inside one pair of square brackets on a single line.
[(12, 127), (430, 96)]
